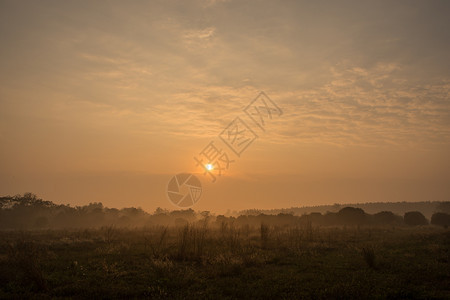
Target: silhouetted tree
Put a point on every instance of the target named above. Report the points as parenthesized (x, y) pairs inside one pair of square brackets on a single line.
[(415, 218), (441, 219), (159, 211), (187, 214), (352, 216), (386, 218)]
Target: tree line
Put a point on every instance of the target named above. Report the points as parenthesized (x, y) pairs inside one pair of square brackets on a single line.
[(27, 211)]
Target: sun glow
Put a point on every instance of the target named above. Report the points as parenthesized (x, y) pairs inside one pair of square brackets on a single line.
[(209, 167)]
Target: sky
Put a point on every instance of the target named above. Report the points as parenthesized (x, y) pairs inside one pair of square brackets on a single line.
[(106, 101)]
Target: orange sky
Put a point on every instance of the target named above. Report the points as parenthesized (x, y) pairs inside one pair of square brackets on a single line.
[(106, 101)]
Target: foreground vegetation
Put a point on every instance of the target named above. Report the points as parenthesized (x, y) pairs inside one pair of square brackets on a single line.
[(206, 259)]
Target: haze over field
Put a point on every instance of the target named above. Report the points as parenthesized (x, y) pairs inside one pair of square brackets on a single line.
[(106, 101)]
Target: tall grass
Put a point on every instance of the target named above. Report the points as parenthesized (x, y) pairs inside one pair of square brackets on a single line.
[(230, 236), (368, 254), (157, 247), (264, 231), (191, 259), (25, 256), (294, 237), (309, 230), (191, 241)]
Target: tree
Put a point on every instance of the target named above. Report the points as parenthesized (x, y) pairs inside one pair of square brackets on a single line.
[(160, 211), (415, 218), (441, 219), (386, 217), (352, 216)]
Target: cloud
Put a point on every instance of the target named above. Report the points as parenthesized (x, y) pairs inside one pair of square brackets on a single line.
[(199, 38), (372, 107), (186, 69)]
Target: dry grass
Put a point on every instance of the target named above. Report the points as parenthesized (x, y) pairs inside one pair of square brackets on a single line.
[(225, 261)]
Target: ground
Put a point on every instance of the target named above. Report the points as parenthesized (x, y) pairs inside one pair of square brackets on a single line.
[(203, 261)]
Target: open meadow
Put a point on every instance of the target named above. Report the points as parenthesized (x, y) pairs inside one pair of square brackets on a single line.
[(210, 260)]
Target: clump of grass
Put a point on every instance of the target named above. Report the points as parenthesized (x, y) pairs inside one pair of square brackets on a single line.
[(368, 254), (225, 264), (162, 267)]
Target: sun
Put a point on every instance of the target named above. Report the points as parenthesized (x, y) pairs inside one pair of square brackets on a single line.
[(209, 167)]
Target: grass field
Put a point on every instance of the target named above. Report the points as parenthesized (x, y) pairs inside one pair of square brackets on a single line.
[(205, 261)]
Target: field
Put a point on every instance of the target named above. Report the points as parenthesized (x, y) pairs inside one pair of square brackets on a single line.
[(213, 261)]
